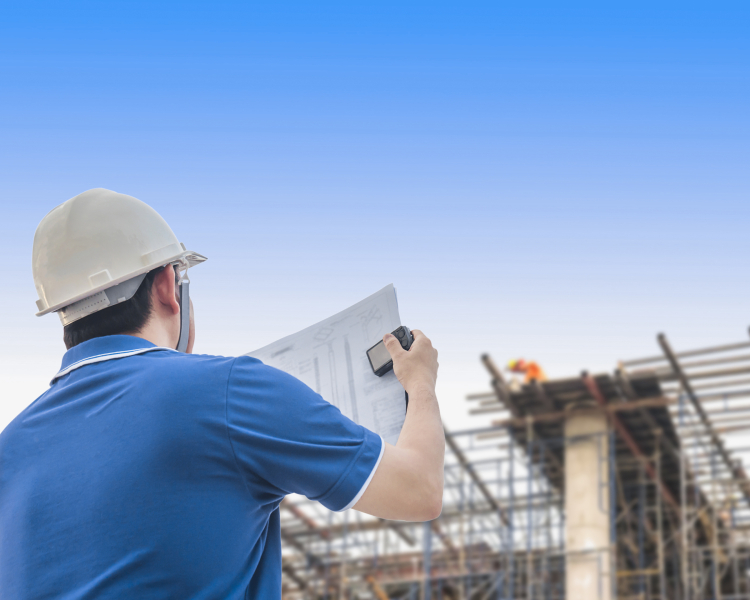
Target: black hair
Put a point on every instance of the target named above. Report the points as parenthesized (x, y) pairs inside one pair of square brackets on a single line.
[(124, 318)]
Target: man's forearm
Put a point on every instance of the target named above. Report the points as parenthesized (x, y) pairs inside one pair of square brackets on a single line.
[(422, 436), (408, 484), (423, 429)]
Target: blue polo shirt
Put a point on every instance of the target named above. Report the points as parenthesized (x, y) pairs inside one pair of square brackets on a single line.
[(147, 473)]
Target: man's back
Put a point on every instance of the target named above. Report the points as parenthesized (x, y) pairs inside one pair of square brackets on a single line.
[(159, 475)]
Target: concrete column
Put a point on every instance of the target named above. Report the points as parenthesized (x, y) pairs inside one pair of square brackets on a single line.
[(587, 511)]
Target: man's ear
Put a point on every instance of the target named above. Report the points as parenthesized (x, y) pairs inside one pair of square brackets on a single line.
[(164, 293)]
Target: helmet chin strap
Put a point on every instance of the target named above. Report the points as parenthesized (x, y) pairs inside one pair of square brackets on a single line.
[(182, 343)]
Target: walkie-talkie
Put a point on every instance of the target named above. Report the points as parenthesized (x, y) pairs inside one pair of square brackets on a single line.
[(380, 359)]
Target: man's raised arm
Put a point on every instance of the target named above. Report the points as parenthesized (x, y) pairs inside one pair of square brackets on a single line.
[(408, 484)]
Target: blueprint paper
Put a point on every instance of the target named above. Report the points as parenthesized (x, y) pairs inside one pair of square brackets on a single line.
[(330, 357)]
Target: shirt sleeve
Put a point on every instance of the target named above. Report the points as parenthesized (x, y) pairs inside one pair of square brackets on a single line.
[(285, 435)]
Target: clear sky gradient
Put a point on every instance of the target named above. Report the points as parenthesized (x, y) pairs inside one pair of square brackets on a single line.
[(558, 181)]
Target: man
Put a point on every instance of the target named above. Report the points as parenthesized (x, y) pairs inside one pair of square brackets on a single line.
[(148, 472)]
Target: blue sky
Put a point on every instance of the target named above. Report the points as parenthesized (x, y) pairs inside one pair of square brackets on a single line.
[(559, 182)]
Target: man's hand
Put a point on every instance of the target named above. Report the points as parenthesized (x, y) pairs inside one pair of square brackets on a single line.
[(416, 368), (408, 484)]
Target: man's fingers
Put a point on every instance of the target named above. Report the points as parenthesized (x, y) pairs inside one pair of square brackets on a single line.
[(392, 344)]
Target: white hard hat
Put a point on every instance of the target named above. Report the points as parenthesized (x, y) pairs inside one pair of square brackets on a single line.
[(94, 251)]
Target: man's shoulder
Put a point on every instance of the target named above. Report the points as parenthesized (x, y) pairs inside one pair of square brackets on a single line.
[(212, 362), (253, 383), (188, 367), (234, 368), (246, 368)]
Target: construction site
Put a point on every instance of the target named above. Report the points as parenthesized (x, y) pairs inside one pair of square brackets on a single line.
[(625, 485)]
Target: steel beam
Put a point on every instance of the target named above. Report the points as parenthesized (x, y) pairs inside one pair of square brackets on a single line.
[(626, 437), (737, 471)]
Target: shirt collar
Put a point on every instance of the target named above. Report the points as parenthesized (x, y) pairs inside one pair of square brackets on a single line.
[(104, 348)]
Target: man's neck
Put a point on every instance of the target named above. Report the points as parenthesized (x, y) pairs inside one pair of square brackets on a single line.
[(158, 335)]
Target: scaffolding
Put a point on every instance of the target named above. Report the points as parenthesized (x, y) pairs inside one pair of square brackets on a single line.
[(664, 477)]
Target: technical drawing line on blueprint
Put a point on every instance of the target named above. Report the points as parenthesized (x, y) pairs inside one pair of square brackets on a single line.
[(330, 357)]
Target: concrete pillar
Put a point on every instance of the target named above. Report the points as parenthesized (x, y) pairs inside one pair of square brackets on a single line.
[(587, 509)]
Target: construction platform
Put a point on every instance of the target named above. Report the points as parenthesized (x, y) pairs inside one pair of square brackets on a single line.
[(654, 504)]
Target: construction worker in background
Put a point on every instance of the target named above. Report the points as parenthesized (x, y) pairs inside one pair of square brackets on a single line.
[(148, 472), (530, 370)]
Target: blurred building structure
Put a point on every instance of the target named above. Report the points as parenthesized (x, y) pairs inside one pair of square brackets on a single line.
[(627, 485)]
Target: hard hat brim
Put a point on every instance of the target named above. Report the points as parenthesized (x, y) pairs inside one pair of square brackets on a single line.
[(186, 256)]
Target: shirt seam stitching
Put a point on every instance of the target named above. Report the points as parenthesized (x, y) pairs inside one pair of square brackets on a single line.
[(114, 353), (342, 479), (97, 358), (363, 488), (229, 435)]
